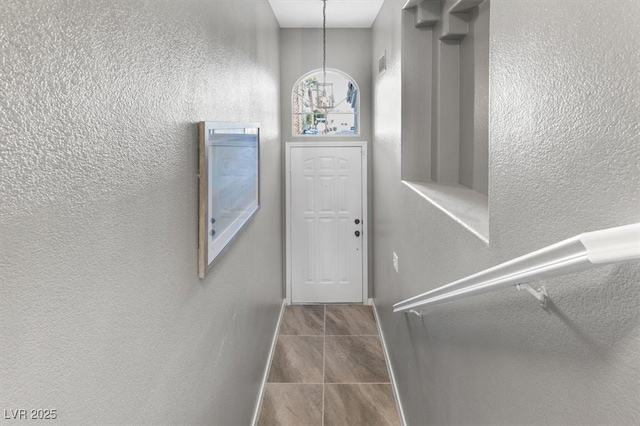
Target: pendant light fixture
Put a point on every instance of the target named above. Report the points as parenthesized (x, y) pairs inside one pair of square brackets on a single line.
[(325, 90)]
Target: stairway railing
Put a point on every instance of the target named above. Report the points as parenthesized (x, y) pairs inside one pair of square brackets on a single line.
[(582, 252)]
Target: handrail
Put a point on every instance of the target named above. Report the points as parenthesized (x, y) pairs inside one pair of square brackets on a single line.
[(584, 251)]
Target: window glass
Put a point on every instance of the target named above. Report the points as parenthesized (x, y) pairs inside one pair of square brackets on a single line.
[(325, 106)]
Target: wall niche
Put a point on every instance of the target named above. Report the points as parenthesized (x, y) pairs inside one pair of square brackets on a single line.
[(445, 103)]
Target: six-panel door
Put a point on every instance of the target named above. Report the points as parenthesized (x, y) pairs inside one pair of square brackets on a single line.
[(326, 224)]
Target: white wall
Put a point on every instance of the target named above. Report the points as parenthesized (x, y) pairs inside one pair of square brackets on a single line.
[(564, 150), (102, 316)]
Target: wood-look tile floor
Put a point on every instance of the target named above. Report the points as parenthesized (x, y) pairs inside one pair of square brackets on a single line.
[(328, 369)]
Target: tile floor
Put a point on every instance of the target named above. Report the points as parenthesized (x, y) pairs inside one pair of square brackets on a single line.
[(328, 369)]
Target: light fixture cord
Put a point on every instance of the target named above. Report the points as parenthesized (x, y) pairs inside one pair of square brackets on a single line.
[(324, 43)]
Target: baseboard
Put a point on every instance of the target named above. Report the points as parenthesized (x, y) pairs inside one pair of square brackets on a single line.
[(394, 384), (256, 413)]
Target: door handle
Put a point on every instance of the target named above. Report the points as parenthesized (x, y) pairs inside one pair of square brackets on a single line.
[(357, 233)]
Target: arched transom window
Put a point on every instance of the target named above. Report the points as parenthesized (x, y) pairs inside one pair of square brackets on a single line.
[(326, 106)]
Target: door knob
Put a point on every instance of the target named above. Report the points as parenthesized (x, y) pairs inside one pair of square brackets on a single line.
[(357, 233), (357, 221)]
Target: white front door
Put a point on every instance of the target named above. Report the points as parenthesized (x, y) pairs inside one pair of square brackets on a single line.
[(326, 224)]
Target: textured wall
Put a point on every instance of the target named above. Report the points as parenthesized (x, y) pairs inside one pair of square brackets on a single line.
[(474, 102), (417, 112), (564, 154), (102, 316), (348, 50)]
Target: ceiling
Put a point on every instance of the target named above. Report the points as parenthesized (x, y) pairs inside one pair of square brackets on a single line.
[(340, 13)]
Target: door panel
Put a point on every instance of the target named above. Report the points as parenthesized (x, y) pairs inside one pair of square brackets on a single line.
[(325, 200)]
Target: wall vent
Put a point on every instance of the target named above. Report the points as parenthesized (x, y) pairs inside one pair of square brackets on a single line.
[(382, 63)]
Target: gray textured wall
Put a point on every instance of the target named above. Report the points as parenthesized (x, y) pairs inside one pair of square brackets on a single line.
[(564, 153), (474, 102), (102, 316), (417, 112), (348, 50)]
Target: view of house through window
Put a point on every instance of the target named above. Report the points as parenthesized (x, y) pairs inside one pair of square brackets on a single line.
[(325, 105)]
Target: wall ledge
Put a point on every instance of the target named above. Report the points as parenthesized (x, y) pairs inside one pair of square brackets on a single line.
[(467, 207)]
